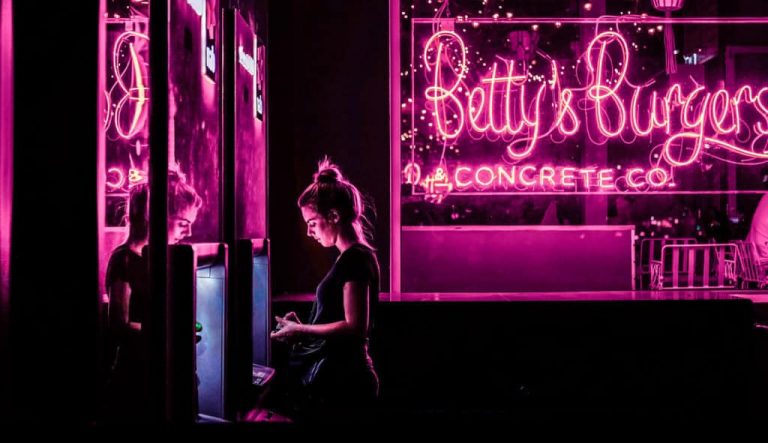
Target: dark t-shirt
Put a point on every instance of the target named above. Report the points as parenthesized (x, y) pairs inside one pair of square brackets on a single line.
[(125, 401), (347, 377), (128, 266), (357, 264)]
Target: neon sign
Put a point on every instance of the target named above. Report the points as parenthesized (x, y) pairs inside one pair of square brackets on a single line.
[(503, 102), (116, 178), (134, 92), (127, 105), (126, 102), (528, 177)]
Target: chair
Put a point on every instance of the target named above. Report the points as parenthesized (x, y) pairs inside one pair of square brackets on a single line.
[(695, 266), (749, 269), (650, 249)]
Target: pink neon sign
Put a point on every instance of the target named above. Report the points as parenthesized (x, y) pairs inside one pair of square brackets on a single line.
[(502, 101), (127, 106), (528, 177), (119, 180), (130, 81)]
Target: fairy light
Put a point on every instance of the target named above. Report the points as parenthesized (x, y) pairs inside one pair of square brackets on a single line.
[(464, 93)]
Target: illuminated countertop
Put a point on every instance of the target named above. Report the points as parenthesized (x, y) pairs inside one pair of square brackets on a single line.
[(755, 296)]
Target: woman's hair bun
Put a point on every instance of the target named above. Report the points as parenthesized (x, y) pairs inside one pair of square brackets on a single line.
[(327, 172)]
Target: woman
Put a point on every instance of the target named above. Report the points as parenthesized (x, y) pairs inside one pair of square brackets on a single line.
[(127, 283), (331, 374)]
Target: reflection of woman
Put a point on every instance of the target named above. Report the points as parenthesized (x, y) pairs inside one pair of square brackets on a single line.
[(128, 289), (331, 374)]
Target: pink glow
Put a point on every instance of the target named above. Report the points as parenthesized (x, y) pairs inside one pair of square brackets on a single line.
[(763, 110), (635, 111), (135, 92), (657, 177), (646, 19), (412, 173), (566, 108), (605, 179), (745, 94), (525, 181), (460, 184), (135, 176), (479, 112), (638, 179), (632, 179), (599, 92), (568, 177), (395, 153), (437, 185), (118, 178), (587, 176), (547, 173), (438, 94), (140, 89), (718, 112), (107, 109), (6, 159), (688, 117), (547, 178), (564, 105), (488, 173)]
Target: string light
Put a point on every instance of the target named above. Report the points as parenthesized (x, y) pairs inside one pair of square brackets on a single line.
[(536, 70)]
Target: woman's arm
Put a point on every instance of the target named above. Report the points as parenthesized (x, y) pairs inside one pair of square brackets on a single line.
[(355, 323)]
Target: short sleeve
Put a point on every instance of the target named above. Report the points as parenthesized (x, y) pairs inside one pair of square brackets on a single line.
[(356, 267)]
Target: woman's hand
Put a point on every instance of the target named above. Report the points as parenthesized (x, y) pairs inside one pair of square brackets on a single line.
[(292, 317), (288, 329)]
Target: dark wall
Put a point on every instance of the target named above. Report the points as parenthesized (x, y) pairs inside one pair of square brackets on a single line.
[(328, 94), (557, 361), (54, 263)]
